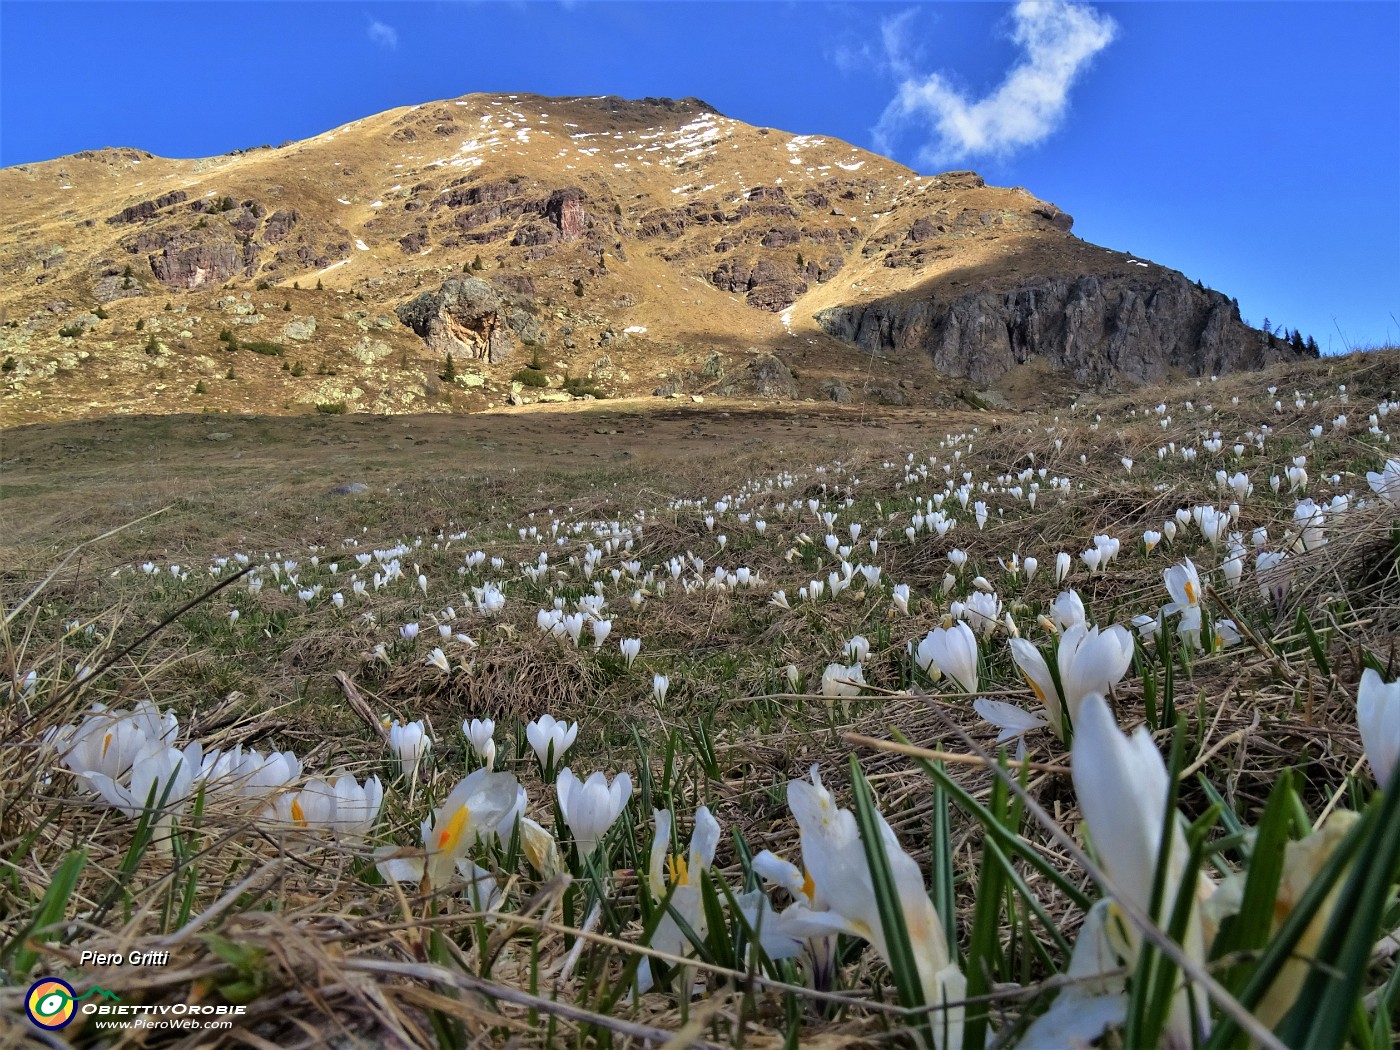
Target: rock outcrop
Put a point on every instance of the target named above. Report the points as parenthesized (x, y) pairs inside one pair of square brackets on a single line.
[(1097, 328), (766, 377), (470, 319)]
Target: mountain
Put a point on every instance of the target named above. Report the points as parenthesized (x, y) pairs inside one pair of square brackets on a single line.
[(623, 247)]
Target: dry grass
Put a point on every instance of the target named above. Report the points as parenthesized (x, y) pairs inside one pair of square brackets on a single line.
[(326, 955)]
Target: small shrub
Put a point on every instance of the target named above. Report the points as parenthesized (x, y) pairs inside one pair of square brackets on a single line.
[(169, 306), (296, 285), (287, 307), (319, 286), (449, 372), (262, 286), (127, 272), (71, 331), (229, 374), (225, 336), (530, 377), (100, 314), (9, 364), (141, 324), (152, 347), (286, 367), (331, 408), (581, 386), (266, 349), (477, 264), (298, 370), (199, 387)]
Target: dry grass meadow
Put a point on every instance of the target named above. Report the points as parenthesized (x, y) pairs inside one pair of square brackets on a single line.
[(127, 545)]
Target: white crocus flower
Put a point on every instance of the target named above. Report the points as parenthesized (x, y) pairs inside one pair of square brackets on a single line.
[(1273, 572), (683, 875), (1378, 717), (601, 630), (1063, 563), (105, 742), (1068, 610), (312, 807), (161, 778), (660, 683), (479, 733), (437, 658), (592, 806), (900, 597), (1184, 585), (1012, 721), (629, 648), (808, 927), (477, 802), (550, 738), (356, 805), (839, 680), (1092, 661), (1386, 484), (954, 650), (1094, 1001), (835, 861), (410, 743), (1121, 783)]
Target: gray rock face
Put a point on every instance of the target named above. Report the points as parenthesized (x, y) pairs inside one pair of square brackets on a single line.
[(465, 317), (299, 329), (1099, 329), (188, 260)]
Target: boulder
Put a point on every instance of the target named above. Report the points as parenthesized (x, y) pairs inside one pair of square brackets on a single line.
[(765, 377), (465, 317)]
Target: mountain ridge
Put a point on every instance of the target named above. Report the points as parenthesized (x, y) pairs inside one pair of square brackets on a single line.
[(633, 246)]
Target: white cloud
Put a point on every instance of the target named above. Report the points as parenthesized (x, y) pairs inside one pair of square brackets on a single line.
[(384, 35), (1058, 39)]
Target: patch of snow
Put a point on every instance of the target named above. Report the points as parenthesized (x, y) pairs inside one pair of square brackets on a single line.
[(342, 200), (377, 204), (850, 167), (786, 318), (523, 135), (361, 245), (635, 329)]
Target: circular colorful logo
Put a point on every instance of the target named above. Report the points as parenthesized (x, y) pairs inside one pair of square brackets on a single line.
[(50, 1003)]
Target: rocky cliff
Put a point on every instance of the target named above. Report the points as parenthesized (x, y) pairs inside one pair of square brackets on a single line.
[(1099, 328)]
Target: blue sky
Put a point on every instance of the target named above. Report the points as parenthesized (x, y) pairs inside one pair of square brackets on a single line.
[(1255, 146)]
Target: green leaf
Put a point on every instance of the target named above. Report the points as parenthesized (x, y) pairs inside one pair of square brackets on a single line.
[(52, 907)]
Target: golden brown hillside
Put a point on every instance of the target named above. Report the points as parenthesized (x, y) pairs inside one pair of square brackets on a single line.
[(627, 248)]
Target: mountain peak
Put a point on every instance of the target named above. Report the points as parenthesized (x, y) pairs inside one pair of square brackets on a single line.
[(642, 244)]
